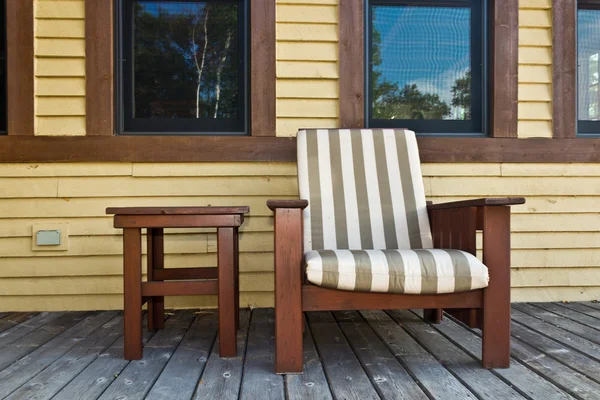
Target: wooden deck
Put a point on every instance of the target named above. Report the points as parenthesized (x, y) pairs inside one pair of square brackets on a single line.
[(348, 355)]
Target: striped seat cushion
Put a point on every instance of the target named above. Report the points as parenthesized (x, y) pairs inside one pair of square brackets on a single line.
[(364, 189), (430, 271)]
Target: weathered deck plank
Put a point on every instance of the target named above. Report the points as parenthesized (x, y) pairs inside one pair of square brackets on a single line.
[(346, 376), (520, 377), (438, 382), (467, 369), (374, 354), (312, 384), (388, 376), (136, 380)]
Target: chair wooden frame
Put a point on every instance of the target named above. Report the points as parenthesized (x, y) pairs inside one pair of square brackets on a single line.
[(454, 226)]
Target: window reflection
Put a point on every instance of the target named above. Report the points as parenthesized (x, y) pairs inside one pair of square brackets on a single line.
[(588, 48)]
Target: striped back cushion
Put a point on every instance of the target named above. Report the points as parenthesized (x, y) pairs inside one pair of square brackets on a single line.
[(364, 188)]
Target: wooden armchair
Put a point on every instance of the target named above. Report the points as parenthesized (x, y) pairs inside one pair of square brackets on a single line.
[(363, 237)]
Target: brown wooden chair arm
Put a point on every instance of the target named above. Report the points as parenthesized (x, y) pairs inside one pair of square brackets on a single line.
[(275, 204), (484, 202)]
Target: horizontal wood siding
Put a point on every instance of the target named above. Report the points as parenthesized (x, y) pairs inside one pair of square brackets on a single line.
[(535, 68), (59, 67), (307, 71)]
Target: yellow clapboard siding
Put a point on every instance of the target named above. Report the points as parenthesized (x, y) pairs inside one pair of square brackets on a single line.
[(535, 37), (535, 55), (295, 108), (290, 126), (535, 111), (307, 69), (555, 258), (312, 14), (115, 302), (214, 169), (307, 32), (60, 125), (60, 67), (556, 222), (58, 106), (54, 87), (96, 207), (16, 188), (535, 18), (191, 186), (105, 265), (517, 186), (307, 89), (60, 47), (535, 73), (461, 169), (519, 295), (546, 169), (66, 28), (535, 4), (295, 51), (103, 226), (535, 92), (28, 170), (534, 129), (552, 277), (60, 9), (249, 282)]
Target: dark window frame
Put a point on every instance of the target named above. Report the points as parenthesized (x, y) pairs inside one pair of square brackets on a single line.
[(478, 125), (128, 125)]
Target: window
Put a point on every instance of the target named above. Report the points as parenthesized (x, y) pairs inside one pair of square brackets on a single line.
[(183, 66), (3, 83), (427, 65), (588, 50)]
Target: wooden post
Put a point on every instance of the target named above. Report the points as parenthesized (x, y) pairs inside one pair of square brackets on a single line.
[(227, 294), (132, 288), (288, 291), (496, 298)]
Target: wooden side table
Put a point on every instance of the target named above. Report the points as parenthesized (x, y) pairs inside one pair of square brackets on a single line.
[(222, 280)]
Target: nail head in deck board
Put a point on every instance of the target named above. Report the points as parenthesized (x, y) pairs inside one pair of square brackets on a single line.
[(32, 341), (136, 380), (53, 378), (390, 378), (466, 368), (584, 309), (222, 377), (94, 380), (12, 320), (17, 331), (518, 375), (179, 378), (346, 376), (568, 338), (570, 314), (557, 320), (429, 372), (574, 359), (312, 384), (27, 367), (259, 381)]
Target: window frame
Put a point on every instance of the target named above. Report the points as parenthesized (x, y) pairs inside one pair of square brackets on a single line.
[(585, 128), (477, 126), (128, 125)]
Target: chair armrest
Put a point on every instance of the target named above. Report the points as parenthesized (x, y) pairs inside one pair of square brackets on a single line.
[(275, 204), (484, 202)]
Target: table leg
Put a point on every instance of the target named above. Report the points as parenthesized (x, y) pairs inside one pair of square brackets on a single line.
[(132, 292), (150, 275), (226, 267), (236, 275), (158, 262)]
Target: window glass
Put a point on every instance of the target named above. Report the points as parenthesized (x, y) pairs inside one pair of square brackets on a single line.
[(184, 66), (3, 110), (426, 65), (588, 50)]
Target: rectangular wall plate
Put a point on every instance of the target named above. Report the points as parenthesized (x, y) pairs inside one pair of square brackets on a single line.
[(48, 236)]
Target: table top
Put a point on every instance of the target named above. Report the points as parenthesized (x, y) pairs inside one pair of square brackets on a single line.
[(178, 210)]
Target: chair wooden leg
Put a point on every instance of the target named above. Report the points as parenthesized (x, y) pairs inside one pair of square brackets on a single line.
[(288, 292), (132, 293), (227, 325), (237, 277), (433, 315), (156, 260), (496, 297)]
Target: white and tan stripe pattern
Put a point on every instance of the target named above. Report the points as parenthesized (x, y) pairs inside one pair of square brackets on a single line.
[(430, 271), (365, 190)]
